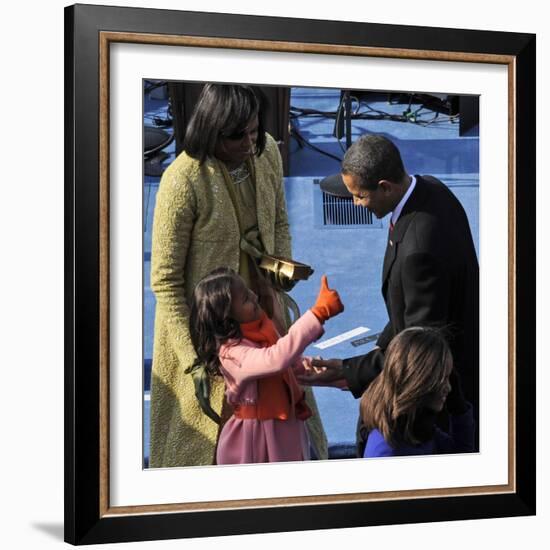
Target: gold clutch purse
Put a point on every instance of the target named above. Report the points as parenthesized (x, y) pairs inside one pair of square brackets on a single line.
[(284, 273)]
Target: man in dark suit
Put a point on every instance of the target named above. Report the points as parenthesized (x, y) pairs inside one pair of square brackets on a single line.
[(430, 275)]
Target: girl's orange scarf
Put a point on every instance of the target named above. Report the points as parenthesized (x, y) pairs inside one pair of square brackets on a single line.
[(279, 395)]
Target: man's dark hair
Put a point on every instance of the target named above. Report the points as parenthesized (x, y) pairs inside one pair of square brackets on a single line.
[(373, 158), (223, 110)]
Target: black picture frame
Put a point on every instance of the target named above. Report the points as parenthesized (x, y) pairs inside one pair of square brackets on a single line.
[(88, 518)]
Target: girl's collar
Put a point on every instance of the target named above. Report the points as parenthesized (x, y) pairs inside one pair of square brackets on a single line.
[(254, 325)]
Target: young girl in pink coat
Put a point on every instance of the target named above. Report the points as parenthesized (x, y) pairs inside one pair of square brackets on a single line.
[(233, 336)]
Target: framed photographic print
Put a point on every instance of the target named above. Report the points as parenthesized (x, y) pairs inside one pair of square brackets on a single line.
[(462, 98)]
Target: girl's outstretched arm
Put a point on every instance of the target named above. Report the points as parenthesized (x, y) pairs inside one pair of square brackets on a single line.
[(246, 362)]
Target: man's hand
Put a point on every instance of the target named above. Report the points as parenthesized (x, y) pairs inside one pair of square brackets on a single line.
[(324, 372)]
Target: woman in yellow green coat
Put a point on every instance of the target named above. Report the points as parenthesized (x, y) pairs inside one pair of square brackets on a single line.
[(225, 189)]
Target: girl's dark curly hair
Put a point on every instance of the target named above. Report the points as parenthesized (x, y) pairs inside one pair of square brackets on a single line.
[(210, 322)]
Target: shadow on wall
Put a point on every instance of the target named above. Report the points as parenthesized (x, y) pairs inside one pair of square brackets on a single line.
[(54, 530)]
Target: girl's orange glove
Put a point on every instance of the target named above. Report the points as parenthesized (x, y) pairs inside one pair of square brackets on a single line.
[(328, 302)]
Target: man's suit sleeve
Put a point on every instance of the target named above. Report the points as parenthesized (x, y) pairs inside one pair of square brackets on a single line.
[(426, 291), (385, 337), (360, 371)]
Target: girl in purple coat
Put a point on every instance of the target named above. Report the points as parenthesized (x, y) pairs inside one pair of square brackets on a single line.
[(234, 337), (401, 406)]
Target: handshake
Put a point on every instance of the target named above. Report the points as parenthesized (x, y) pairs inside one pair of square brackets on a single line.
[(328, 302), (317, 371)]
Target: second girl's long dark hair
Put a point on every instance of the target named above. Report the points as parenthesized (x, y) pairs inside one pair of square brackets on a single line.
[(210, 323), (416, 366)]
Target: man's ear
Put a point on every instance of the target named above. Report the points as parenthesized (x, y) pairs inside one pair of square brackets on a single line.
[(386, 186)]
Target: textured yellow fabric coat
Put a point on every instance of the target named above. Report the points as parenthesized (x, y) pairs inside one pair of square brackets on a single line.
[(195, 230)]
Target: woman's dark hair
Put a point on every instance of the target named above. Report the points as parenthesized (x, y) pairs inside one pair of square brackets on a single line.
[(210, 323), (373, 158), (417, 364), (223, 110)]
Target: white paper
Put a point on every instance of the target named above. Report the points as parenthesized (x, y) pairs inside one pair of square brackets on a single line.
[(341, 337)]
